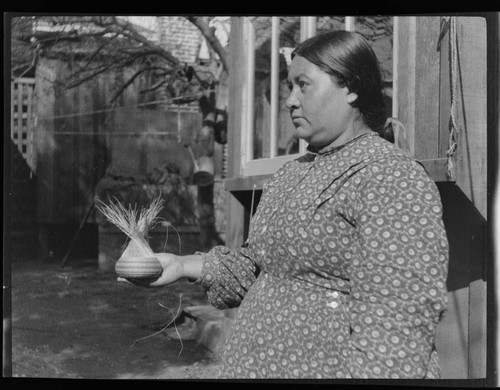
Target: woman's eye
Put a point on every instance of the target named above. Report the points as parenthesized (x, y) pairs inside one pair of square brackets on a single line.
[(302, 84)]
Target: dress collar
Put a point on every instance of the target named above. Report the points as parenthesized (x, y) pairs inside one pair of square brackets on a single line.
[(328, 149)]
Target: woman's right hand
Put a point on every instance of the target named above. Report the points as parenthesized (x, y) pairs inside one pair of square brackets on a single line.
[(174, 268)]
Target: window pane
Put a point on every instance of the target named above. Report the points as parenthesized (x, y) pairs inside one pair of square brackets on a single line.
[(262, 27), (289, 38), (377, 29)]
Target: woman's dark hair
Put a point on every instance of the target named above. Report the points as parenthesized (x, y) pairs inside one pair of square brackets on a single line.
[(350, 60)]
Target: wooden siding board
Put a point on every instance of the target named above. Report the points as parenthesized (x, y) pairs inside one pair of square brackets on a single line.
[(444, 96), (44, 140), (462, 335), (85, 170), (477, 329), (471, 167), (470, 160), (426, 87), (493, 276), (452, 337), (77, 143), (470, 163), (58, 167), (472, 111), (406, 76)]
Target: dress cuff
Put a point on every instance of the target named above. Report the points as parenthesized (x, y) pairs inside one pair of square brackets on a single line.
[(206, 276)]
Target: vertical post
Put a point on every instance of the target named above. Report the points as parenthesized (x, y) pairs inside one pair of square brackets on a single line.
[(275, 41), (7, 220), (236, 110), (395, 64), (248, 110), (350, 23), (307, 30), (307, 27), (493, 276), (405, 37)]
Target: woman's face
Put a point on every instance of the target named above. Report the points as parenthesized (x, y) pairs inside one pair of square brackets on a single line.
[(319, 108)]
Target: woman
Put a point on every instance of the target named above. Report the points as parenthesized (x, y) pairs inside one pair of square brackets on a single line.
[(343, 274)]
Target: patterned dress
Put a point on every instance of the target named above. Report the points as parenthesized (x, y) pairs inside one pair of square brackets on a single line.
[(344, 271)]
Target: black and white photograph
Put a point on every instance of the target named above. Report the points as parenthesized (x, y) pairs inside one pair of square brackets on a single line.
[(282, 198)]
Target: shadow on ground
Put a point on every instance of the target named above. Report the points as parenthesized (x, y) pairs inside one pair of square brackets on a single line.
[(75, 322)]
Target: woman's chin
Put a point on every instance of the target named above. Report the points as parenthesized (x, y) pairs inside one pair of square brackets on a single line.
[(303, 135), (310, 139)]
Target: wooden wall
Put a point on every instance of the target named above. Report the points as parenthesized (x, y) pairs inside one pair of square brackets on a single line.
[(422, 86), (75, 149), (424, 96), (69, 162), (141, 140)]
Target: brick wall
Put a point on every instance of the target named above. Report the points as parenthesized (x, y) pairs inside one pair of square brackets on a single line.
[(180, 37)]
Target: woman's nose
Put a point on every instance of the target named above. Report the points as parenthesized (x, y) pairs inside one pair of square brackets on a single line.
[(292, 101)]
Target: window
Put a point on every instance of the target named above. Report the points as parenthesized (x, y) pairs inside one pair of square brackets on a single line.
[(268, 136)]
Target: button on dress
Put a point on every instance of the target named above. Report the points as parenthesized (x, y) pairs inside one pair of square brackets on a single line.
[(344, 271)]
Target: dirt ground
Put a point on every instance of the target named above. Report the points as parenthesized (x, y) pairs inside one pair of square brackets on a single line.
[(75, 322)]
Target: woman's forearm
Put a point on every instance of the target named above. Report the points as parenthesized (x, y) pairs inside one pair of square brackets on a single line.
[(192, 265)]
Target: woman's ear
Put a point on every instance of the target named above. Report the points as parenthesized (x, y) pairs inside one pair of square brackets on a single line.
[(351, 97)]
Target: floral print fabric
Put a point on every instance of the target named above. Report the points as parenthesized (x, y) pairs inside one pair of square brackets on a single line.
[(344, 271)]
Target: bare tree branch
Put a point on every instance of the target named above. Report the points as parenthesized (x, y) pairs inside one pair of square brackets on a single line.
[(99, 44), (110, 27), (27, 67), (125, 85), (202, 23), (129, 30), (155, 86), (90, 76)]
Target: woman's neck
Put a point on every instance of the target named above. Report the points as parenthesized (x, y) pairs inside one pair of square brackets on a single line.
[(357, 127), (337, 145)]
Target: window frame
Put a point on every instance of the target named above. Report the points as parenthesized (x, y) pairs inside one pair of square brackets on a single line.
[(251, 166)]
